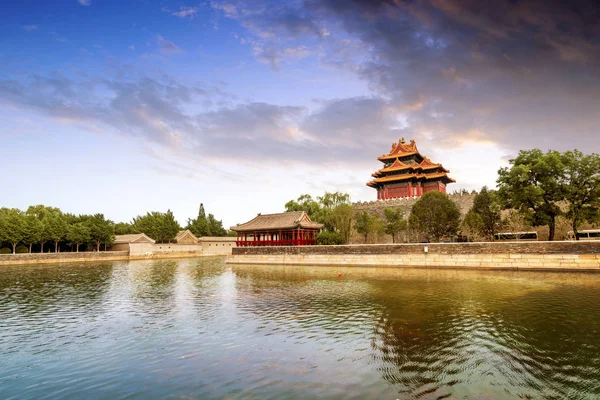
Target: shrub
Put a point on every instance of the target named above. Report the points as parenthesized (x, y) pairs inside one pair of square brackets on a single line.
[(5, 250), (330, 238), (21, 250)]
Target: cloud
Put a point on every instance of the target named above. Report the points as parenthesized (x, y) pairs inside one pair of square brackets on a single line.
[(166, 46), (450, 74), (30, 28), (520, 74), (85, 2), (274, 56), (185, 12)]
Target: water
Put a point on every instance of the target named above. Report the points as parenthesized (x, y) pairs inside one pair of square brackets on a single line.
[(198, 329)]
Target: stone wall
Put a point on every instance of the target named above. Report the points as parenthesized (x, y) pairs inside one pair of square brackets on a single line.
[(530, 255), (46, 258), (149, 249), (464, 202)]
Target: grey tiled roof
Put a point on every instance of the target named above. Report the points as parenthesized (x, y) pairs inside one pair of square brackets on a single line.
[(287, 220), (134, 238)]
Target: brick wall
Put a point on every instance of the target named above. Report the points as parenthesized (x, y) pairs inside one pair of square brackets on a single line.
[(529, 255), (43, 258), (584, 247)]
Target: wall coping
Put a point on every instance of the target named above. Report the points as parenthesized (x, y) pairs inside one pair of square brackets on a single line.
[(538, 247)]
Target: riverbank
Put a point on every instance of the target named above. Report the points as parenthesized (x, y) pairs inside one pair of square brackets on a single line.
[(564, 255), (54, 258)]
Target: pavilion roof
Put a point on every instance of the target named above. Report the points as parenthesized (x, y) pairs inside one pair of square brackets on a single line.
[(401, 149), (281, 221), (183, 233), (404, 177), (398, 165), (134, 238)]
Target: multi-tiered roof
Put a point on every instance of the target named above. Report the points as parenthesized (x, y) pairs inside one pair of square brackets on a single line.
[(407, 173)]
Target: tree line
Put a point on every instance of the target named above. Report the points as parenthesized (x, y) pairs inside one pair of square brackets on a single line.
[(46, 228), (536, 189)]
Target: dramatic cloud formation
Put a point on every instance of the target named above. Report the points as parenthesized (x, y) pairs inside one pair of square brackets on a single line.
[(333, 82)]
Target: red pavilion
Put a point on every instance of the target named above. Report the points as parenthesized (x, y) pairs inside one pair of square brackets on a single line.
[(406, 173)]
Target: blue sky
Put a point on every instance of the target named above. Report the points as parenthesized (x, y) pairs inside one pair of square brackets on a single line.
[(124, 107)]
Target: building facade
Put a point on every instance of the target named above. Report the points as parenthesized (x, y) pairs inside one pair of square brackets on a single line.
[(407, 173), (283, 229)]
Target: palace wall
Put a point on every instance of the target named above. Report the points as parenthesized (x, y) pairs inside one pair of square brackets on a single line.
[(464, 202), (47, 258), (582, 256)]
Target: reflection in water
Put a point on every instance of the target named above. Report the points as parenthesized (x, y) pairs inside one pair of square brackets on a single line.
[(198, 329)]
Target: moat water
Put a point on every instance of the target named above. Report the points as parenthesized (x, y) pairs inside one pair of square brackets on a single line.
[(190, 329)]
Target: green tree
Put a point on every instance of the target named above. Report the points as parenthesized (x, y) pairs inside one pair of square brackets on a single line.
[(582, 187), (367, 225), (78, 233), (33, 230), (161, 227), (340, 220), (306, 203), (168, 227), (435, 215), (200, 225), (394, 222), (124, 228), (487, 208), (532, 184), (101, 230), (215, 226), (12, 226), (55, 228), (330, 238), (472, 225), (43, 212)]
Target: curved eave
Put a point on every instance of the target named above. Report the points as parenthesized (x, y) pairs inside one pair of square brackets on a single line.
[(398, 155), (400, 178)]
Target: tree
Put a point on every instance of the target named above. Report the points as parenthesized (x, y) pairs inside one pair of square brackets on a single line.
[(533, 185), (582, 187), (199, 226), (340, 219), (12, 226), (101, 230), (42, 213), (124, 228), (215, 226), (330, 238), (168, 227), (55, 228), (487, 209), (161, 227), (435, 215), (33, 230), (367, 224), (334, 210), (472, 225), (306, 203), (78, 233), (394, 222)]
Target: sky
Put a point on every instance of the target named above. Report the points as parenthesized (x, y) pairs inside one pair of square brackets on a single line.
[(129, 106)]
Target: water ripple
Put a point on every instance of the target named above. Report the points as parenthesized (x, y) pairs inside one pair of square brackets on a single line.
[(198, 329)]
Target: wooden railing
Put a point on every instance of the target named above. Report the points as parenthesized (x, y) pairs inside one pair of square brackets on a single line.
[(256, 243)]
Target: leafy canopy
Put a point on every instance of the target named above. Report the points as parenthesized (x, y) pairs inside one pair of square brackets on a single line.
[(435, 215)]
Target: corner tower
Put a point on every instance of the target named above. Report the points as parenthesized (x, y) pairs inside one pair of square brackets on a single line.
[(406, 173)]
